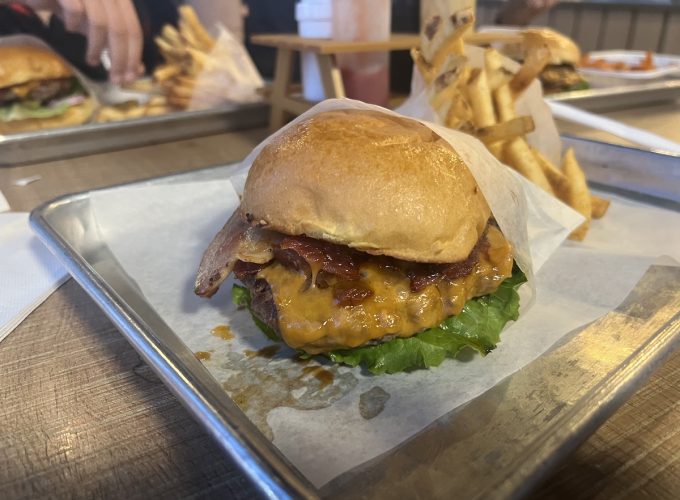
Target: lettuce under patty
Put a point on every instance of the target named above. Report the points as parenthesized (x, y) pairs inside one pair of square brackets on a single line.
[(478, 326), (240, 296), (31, 109)]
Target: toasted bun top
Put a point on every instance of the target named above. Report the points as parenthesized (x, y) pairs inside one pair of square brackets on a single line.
[(74, 115), (21, 64), (562, 48), (381, 184)]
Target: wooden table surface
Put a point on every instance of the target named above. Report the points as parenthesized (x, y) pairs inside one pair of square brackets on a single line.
[(81, 416)]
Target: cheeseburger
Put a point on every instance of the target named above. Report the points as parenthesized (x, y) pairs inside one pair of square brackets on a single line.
[(364, 237), (39, 90), (560, 74)]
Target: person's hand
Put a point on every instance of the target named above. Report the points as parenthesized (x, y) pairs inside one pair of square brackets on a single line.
[(107, 24), (521, 12)]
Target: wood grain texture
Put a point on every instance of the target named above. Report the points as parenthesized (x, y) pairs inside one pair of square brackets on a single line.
[(94, 171), (397, 41), (83, 417)]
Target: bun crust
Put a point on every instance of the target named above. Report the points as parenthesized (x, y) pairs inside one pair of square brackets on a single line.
[(562, 48), (21, 64), (75, 115), (381, 184)]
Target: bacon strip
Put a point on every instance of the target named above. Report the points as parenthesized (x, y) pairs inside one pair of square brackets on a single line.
[(338, 266), (422, 275), (332, 259), (235, 241)]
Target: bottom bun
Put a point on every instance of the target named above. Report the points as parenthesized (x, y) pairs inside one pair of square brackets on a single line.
[(74, 115)]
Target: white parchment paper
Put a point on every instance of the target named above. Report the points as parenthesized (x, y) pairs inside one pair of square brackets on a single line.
[(158, 233), (228, 76)]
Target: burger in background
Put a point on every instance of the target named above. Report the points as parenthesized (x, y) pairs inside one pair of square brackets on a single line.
[(39, 90), (561, 73)]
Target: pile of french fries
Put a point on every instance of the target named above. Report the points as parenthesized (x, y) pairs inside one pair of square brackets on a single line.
[(481, 102), (128, 110), (187, 53)]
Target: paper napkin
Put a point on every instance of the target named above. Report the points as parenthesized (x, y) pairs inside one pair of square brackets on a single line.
[(4, 206), (28, 271)]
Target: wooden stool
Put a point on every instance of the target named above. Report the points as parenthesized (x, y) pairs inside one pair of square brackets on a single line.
[(282, 102)]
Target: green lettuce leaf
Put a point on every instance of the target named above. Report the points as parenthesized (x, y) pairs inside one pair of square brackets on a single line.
[(477, 326), (31, 109), (582, 85), (240, 296)]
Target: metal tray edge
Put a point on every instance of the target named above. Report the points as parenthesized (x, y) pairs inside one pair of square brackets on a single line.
[(273, 475), (610, 393), (607, 397)]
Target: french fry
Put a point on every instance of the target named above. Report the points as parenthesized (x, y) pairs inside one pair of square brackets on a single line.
[(157, 100), (577, 195), (480, 99), (188, 36), (481, 102), (534, 63), (521, 158), (199, 58), (188, 15), (599, 206), (178, 102), (431, 30), (493, 61), (181, 91), (185, 81), (503, 98), (109, 114), (506, 130), (165, 72), (172, 36), (555, 176), (156, 110), (454, 43), (446, 84), (505, 103), (459, 114), (422, 65), (499, 78), (169, 51)]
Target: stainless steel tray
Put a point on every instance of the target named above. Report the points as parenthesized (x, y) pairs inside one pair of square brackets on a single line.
[(92, 138), (499, 445), (624, 97)]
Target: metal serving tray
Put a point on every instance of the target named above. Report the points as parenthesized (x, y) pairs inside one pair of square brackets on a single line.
[(623, 97), (54, 144), (499, 445)]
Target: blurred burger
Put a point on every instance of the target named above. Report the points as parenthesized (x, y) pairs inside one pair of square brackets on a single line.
[(364, 237), (560, 75), (39, 90)]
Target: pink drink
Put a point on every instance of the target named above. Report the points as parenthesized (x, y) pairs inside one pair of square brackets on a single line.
[(368, 84), (365, 75)]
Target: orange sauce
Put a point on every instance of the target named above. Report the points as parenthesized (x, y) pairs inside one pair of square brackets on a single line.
[(223, 332), (266, 352), (325, 377), (203, 355)]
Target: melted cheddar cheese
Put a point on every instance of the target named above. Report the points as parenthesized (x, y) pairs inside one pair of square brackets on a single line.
[(22, 90), (311, 319)]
